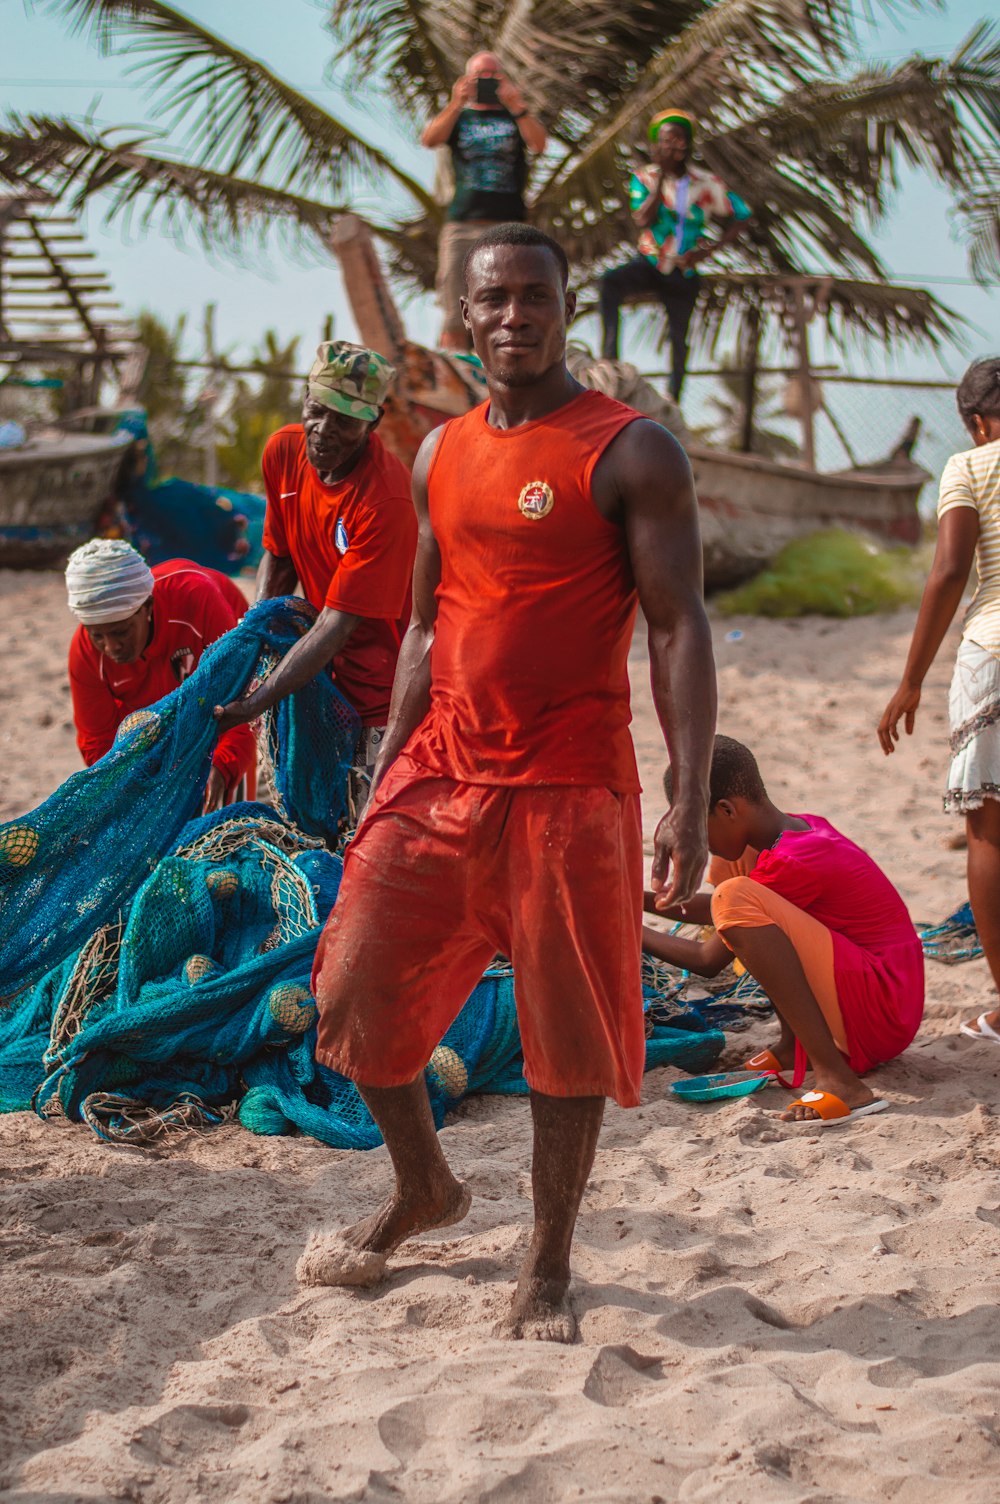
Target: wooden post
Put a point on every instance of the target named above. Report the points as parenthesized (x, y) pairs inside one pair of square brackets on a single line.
[(804, 374), (210, 397), (751, 357)]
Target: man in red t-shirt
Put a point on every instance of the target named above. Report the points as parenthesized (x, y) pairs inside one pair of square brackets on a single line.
[(340, 521), (142, 631), (505, 812)]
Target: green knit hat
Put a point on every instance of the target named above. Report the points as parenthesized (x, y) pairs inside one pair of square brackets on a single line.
[(672, 117), (350, 379)]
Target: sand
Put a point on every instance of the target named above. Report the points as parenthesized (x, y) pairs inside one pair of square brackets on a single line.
[(766, 1313)]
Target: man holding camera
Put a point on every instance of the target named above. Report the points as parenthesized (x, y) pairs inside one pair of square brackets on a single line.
[(489, 132)]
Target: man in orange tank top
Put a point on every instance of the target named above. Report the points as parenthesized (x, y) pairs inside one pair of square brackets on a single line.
[(505, 811)]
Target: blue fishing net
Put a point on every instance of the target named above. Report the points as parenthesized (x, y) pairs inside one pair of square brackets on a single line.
[(156, 962), (954, 940)]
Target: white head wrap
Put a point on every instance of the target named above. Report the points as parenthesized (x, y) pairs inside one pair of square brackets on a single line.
[(107, 580)]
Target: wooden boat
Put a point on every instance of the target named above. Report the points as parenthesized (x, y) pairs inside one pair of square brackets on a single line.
[(750, 506), (53, 488)]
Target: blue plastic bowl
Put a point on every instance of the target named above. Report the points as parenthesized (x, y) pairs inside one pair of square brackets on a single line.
[(728, 1084)]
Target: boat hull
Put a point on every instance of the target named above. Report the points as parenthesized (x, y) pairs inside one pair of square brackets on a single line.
[(750, 507), (52, 491)]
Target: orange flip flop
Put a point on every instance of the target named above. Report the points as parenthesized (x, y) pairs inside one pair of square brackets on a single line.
[(764, 1060), (831, 1109)]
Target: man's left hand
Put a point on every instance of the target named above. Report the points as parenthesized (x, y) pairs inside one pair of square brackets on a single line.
[(215, 792), (511, 98), (233, 714), (680, 855)]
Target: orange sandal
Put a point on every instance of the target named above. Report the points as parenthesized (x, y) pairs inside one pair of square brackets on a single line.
[(832, 1111), (764, 1060)]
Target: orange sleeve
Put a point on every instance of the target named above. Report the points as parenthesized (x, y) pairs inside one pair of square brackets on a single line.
[(96, 715), (374, 576), (274, 538)]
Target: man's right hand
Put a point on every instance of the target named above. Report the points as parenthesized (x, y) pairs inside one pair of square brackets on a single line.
[(680, 854), (462, 90)]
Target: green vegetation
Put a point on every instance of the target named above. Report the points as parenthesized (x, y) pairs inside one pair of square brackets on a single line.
[(233, 412), (834, 573)]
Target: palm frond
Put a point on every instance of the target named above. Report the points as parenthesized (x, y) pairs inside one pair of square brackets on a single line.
[(236, 115), (979, 208), (415, 44), (77, 163), (719, 62), (852, 310)]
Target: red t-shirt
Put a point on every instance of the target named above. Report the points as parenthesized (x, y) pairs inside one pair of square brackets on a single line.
[(192, 607), (529, 666), (352, 545), (877, 956)]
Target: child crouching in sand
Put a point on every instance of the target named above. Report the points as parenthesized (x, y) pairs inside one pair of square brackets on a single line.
[(820, 927)]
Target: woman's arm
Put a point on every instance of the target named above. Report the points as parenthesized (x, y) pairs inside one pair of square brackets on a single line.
[(958, 534)]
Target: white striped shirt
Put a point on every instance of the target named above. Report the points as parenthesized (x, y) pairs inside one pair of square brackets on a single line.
[(972, 479)]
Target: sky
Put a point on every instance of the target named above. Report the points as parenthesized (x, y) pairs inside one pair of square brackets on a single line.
[(43, 68)]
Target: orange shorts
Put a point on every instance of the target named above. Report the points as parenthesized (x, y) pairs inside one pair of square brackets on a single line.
[(440, 876)]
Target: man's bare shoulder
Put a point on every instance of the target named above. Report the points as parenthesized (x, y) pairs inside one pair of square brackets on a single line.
[(425, 456), (642, 454)]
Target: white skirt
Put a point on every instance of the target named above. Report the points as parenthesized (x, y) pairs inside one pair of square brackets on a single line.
[(974, 713)]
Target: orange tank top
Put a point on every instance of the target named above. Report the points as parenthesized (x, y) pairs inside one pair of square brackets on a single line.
[(529, 677)]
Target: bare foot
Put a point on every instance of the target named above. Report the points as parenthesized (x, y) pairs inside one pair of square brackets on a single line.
[(849, 1088), (357, 1255), (541, 1311)]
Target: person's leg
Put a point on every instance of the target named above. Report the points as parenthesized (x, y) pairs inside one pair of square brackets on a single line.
[(983, 868), (453, 243), (426, 1193), (791, 955), (566, 1130), (573, 870), (397, 959), (769, 956), (630, 280), (678, 294)]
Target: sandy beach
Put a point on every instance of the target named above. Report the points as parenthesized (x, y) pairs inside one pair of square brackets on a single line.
[(767, 1313)]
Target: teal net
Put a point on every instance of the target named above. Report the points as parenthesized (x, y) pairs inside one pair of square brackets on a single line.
[(156, 962)]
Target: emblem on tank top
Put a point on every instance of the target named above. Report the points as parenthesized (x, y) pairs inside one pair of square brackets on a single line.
[(340, 537), (536, 500)]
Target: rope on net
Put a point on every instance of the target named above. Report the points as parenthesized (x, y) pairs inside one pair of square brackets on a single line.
[(125, 1120), (954, 940), (731, 1000), (93, 980)]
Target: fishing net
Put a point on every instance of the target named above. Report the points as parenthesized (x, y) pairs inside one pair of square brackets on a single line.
[(955, 939), (156, 962)]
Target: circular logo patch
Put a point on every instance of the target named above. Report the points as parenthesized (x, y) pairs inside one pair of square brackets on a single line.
[(536, 500)]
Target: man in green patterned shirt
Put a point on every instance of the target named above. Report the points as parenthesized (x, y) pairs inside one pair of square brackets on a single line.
[(673, 205)]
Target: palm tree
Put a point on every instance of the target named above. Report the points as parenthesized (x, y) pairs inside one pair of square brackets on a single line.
[(788, 115)]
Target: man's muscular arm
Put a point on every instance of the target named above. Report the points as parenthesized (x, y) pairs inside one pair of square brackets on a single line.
[(411, 687), (276, 576), (649, 471)]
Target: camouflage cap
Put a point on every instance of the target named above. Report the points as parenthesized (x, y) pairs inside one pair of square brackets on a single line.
[(350, 379)]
